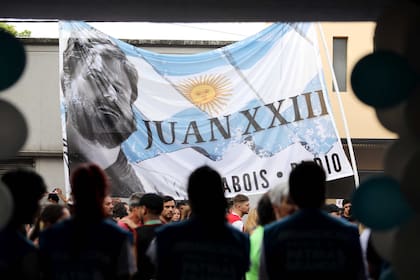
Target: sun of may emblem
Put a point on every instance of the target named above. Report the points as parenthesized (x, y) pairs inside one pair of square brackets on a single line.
[(210, 93)]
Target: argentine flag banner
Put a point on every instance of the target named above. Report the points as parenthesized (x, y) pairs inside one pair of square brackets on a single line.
[(251, 110)]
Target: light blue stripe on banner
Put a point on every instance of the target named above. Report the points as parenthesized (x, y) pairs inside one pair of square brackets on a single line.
[(244, 54)]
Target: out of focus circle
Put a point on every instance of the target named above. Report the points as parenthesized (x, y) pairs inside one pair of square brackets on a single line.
[(398, 155), (12, 59), (397, 30), (393, 27), (388, 274), (13, 130), (406, 257), (383, 79), (383, 242), (412, 112), (379, 204), (393, 118), (6, 205), (410, 183)]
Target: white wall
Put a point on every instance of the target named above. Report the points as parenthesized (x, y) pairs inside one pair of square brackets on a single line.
[(52, 170), (36, 95)]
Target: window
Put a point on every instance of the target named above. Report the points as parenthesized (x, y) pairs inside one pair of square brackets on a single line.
[(340, 62)]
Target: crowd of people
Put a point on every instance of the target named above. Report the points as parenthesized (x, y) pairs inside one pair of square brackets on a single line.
[(290, 234)]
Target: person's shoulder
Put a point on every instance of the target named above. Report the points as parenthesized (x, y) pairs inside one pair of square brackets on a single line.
[(173, 227), (59, 228), (236, 234), (233, 218), (122, 224), (15, 248), (234, 230), (340, 226), (148, 228), (55, 234), (240, 239), (349, 226), (12, 241), (114, 228), (231, 227), (284, 223), (341, 222)]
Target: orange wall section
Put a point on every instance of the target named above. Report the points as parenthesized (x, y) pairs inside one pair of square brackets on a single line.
[(361, 119)]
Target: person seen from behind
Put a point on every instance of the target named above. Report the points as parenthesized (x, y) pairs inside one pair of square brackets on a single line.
[(205, 246), (88, 245), (310, 244), (19, 258), (50, 215)]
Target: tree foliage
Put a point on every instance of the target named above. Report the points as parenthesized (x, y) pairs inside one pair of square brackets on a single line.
[(12, 29)]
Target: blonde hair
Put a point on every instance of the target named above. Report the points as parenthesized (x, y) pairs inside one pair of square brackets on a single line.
[(251, 221), (185, 213)]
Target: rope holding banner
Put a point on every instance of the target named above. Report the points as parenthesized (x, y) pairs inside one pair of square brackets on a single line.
[(340, 102)]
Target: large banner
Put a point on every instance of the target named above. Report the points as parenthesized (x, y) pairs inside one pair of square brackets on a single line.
[(251, 110)]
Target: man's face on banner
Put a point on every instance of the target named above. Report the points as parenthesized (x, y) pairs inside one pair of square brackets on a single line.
[(100, 101)]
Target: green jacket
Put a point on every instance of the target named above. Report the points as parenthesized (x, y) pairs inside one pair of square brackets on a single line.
[(255, 253)]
